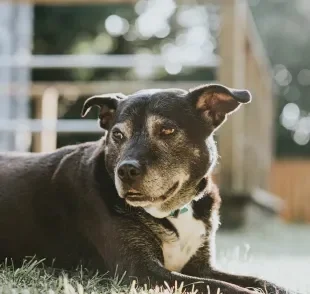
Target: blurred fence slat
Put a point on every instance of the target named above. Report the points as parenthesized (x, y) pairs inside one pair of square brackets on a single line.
[(290, 180), (61, 126), (98, 61), (245, 143), (231, 72), (75, 89), (47, 110)]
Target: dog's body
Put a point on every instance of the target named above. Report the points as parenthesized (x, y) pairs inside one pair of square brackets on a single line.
[(60, 201), (140, 200)]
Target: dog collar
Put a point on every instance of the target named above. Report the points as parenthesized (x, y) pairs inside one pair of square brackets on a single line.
[(182, 210)]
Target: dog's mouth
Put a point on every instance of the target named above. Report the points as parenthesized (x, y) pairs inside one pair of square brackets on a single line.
[(136, 198)]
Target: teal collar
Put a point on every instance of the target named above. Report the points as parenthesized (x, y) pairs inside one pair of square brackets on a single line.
[(181, 210)]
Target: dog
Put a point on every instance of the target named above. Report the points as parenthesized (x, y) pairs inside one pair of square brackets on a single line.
[(140, 199)]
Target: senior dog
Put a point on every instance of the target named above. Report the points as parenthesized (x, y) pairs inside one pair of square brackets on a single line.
[(140, 199)]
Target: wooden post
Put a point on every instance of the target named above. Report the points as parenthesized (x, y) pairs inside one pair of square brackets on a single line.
[(47, 111), (231, 72), (268, 114), (259, 114), (251, 117)]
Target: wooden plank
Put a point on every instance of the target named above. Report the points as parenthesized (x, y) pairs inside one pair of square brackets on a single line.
[(64, 126), (69, 61), (259, 136), (267, 201), (251, 118), (47, 110), (75, 89), (231, 72), (246, 146), (256, 47), (290, 180)]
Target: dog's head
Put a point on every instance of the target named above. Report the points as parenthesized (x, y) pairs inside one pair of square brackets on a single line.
[(159, 145)]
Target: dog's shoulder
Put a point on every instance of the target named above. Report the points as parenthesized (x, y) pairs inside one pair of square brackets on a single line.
[(75, 161), (20, 167), (24, 158)]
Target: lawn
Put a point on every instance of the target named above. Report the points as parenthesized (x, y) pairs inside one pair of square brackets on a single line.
[(265, 247)]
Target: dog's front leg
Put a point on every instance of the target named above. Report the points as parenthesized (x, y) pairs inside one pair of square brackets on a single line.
[(128, 246), (248, 282), (143, 262), (200, 265)]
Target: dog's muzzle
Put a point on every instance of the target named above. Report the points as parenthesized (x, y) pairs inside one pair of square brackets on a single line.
[(129, 172)]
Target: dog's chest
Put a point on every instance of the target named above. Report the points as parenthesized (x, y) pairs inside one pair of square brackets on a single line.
[(178, 250)]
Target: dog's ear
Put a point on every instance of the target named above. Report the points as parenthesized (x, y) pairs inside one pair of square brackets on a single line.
[(107, 104), (214, 102)]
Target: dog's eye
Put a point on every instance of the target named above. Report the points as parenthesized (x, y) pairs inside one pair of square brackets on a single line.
[(166, 131), (117, 135)]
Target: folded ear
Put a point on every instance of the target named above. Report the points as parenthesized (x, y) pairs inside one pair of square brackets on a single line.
[(107, 104), (214, 102)]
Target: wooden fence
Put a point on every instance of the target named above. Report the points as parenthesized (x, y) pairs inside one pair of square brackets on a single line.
[(244, 143), (290, 180)]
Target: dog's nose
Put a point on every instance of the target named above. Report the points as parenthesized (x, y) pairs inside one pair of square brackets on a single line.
[(129, 171)]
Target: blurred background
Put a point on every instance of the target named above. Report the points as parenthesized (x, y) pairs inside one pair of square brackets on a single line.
[(56, 53)]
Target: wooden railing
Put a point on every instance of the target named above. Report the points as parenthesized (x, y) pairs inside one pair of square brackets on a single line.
[(246, 142), (46, 97)]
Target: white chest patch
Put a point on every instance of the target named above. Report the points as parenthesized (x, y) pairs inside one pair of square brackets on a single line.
[(177, 251)]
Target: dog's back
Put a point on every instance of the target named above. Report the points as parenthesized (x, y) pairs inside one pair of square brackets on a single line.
[(31, 221)]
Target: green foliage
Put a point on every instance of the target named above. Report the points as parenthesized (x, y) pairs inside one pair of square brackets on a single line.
[(283, 26), (75, 29)]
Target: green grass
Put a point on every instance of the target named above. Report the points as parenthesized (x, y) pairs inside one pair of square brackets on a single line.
[(34, 277)]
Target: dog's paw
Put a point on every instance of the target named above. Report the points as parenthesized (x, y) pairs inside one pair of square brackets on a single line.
[(221, 288), (270, 288)]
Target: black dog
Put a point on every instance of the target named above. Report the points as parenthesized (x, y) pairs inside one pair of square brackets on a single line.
[(140, 199)]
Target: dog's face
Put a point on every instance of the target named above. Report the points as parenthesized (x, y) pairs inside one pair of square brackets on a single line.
[(159, 145)]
